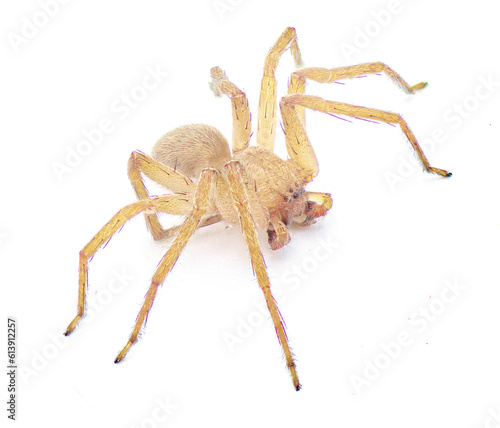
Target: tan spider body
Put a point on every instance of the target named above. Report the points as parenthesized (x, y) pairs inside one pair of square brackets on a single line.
[(249, 186), (275, 187)]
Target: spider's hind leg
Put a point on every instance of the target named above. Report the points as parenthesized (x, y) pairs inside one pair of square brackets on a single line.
[(172, 204), (140, 163), (180, 154)]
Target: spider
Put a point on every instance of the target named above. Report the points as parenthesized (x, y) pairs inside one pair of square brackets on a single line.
[(248, 185)]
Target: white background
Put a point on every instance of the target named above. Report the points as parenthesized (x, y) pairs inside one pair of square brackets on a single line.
[(393, 250)]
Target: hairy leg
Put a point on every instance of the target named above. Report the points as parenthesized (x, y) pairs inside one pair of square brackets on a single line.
[(266, 125), (259, 266), (140, 163), (191, 223), (242, 120), (172, 204), (297, 82), (299, 147)]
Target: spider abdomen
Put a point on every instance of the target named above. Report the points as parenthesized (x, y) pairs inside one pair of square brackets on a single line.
[(190, 148)]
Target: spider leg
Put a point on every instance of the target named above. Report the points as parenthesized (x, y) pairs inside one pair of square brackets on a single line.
[(172, 204), (140, 163), (266, 125), (242, 120), (191, 223), (238, 192), (299, 147), (298, 78)]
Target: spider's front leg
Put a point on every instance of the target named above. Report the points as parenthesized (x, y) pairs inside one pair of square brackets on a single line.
[(240, 198), (299, 147), (297, 82), (266, 125)]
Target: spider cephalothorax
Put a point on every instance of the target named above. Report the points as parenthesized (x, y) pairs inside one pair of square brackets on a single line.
[(280, 190), (246, 186)]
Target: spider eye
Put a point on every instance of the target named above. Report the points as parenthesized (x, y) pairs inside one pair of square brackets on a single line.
[(295, 195), (287, 199), (290, 190)]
